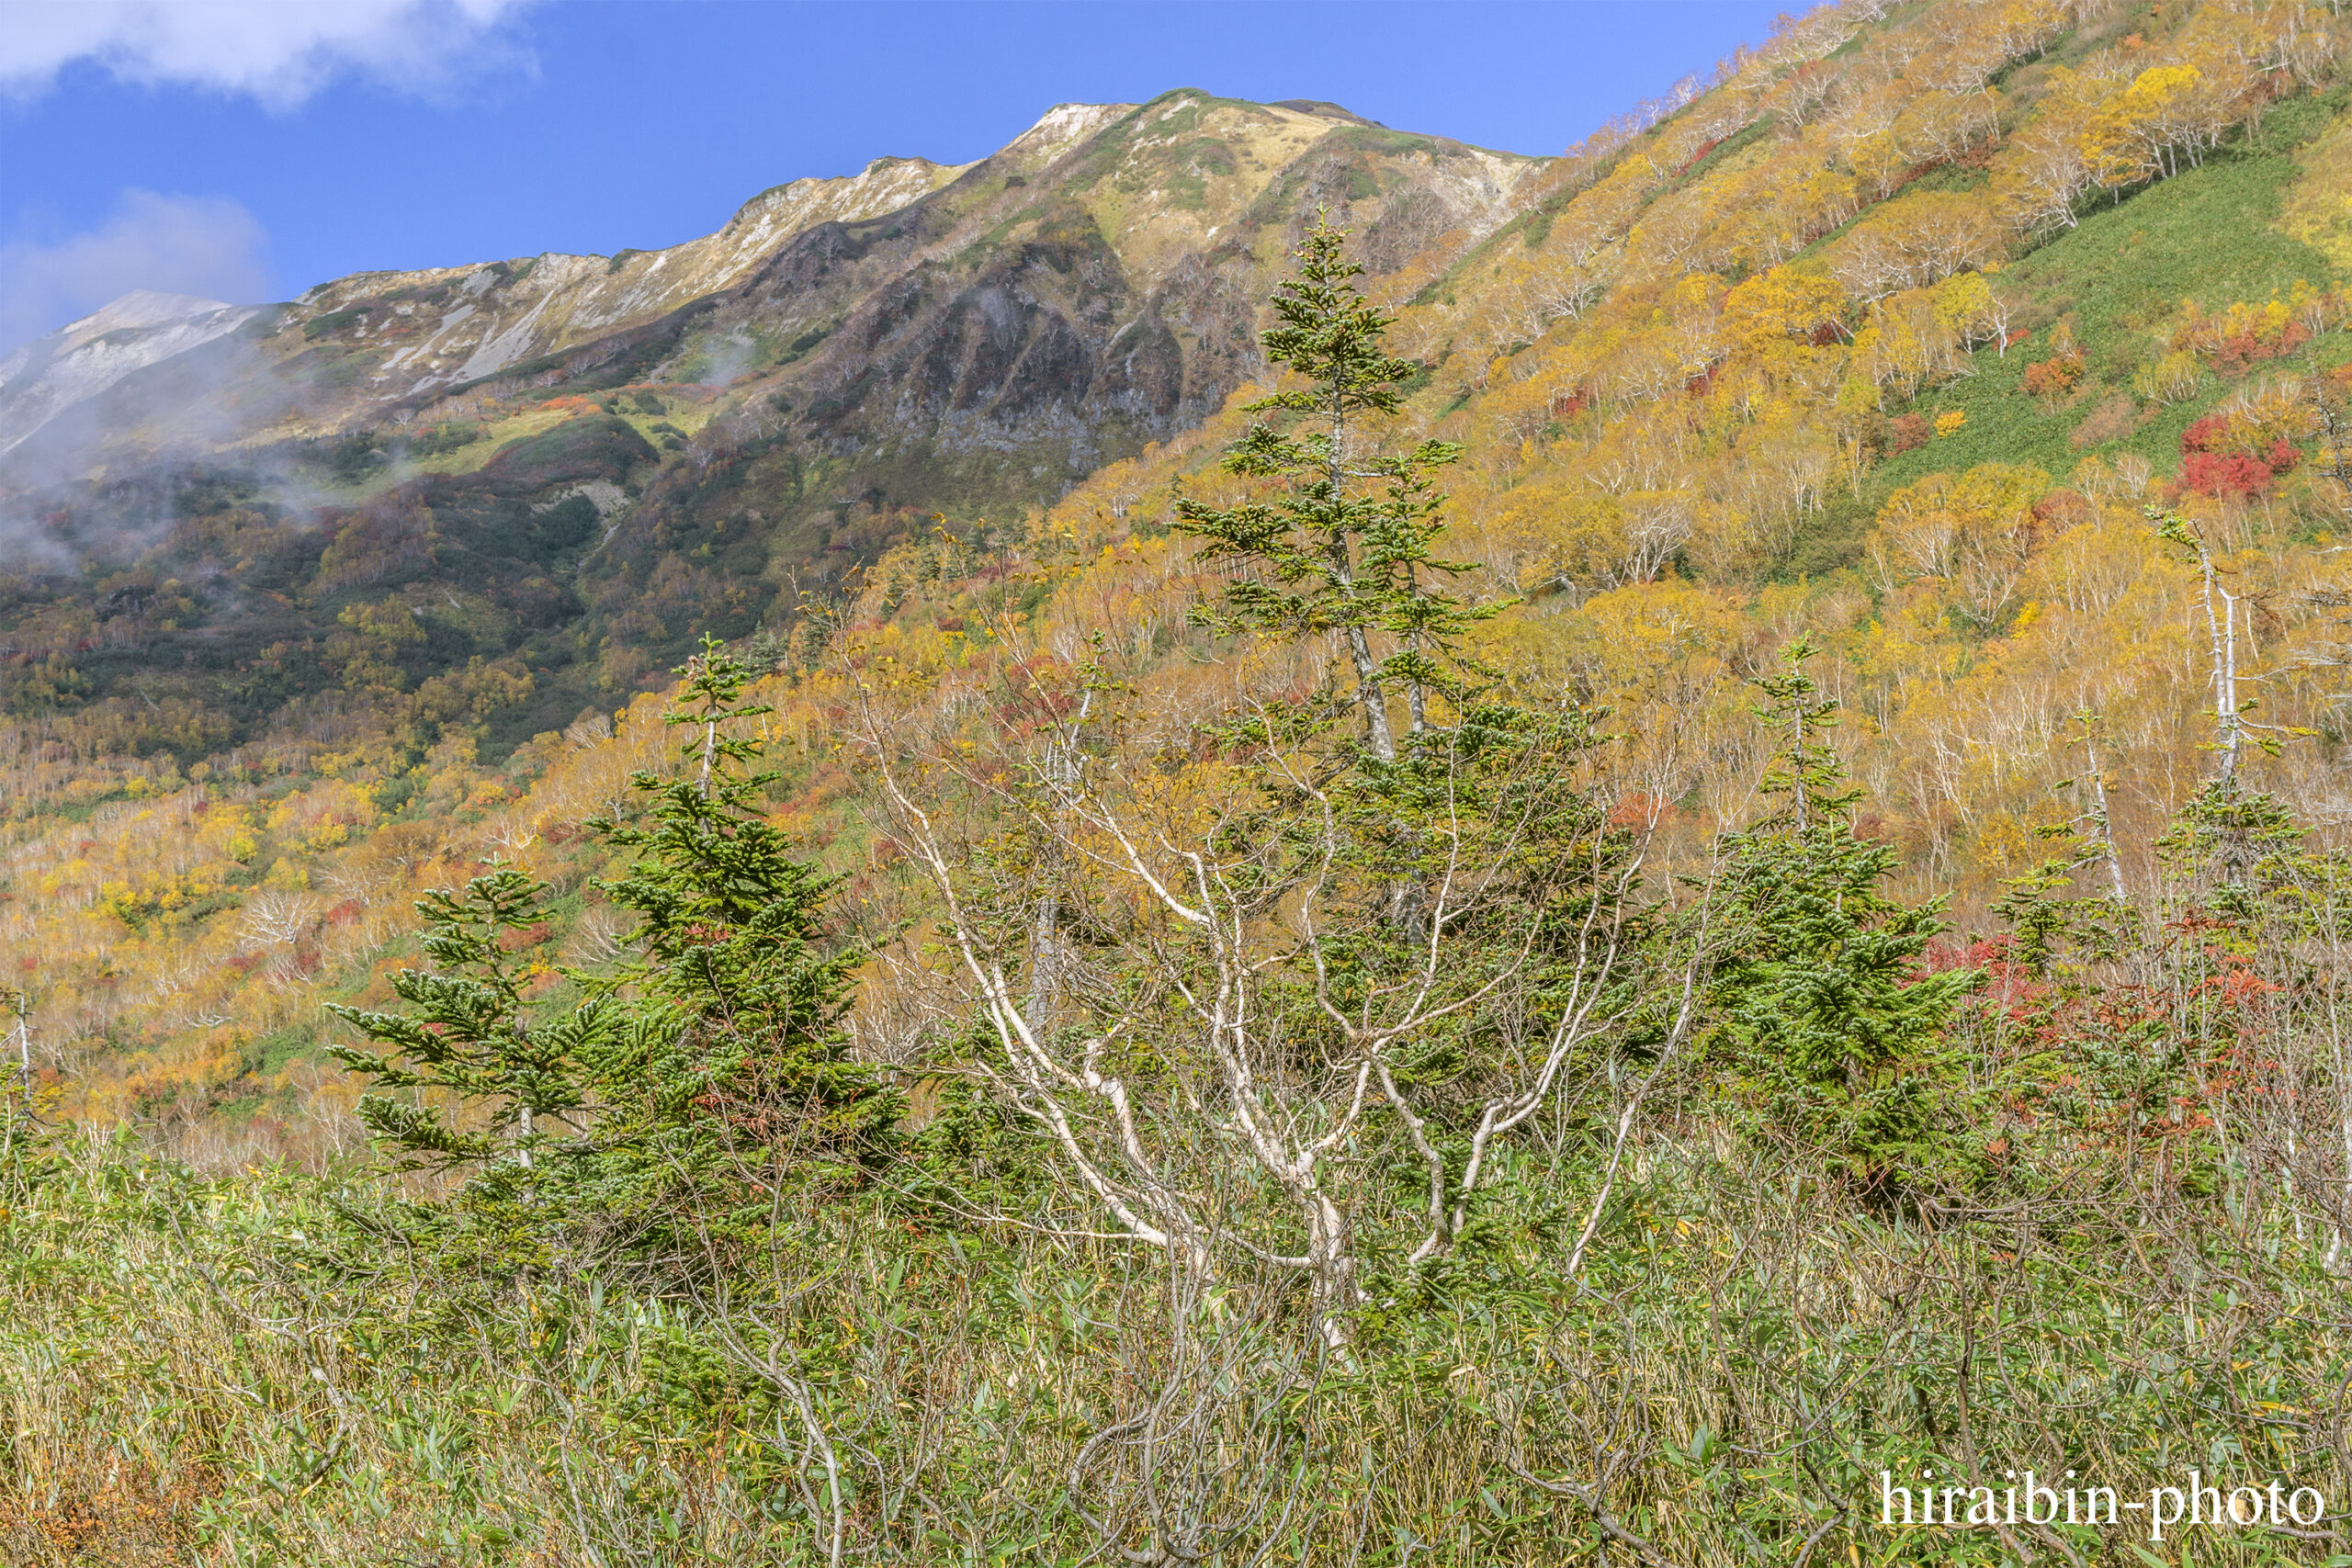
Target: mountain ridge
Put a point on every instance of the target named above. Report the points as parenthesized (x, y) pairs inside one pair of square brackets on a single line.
[(377, 345), (575, 465)]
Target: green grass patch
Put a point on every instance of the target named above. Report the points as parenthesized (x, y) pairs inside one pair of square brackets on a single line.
[(2205, 235), (2122, 276)]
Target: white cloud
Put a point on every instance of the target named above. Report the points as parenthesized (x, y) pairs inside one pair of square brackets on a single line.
[(279, 51), (207, 246)]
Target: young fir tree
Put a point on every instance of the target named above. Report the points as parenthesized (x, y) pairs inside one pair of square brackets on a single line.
[(1345, 544), (650, 1122), (2074, 897), (1824, 1000), (734, 1045), (469, 1039)]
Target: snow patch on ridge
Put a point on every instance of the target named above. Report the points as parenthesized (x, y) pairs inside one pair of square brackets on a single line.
[(85, 357)]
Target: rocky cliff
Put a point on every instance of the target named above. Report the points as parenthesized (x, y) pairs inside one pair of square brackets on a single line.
[(573, 465), (1089, 285)]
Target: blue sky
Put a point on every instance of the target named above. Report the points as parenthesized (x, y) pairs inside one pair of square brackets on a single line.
[(250, 148)]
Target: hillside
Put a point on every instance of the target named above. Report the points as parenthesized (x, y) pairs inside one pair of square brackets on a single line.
[(1939, 428), (567, 468), (1940, 475)]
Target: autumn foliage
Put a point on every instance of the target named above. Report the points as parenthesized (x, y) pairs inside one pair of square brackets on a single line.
[(1856, 561), (1799, 348)]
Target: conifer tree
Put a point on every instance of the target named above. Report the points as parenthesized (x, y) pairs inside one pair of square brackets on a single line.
[(649, 1118), (1822, 1000), (468, 1035), (738, 995), (1346, 545)]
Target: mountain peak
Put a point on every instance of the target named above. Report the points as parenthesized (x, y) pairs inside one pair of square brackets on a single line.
[(140, 308), (1324, 110), (1158, 184), (1059, 130)]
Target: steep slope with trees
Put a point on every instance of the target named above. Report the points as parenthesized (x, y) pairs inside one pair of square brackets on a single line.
[(568, 469), (1785, 934), (1964, 541)]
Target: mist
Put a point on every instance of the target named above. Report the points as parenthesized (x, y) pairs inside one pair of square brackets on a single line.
[(209, 247)]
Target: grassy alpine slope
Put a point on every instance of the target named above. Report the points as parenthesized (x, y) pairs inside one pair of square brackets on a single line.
[(1798, 981)]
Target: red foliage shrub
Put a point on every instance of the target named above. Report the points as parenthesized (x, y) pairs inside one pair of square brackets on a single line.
[(2215, 462), (2061, 510), (1906, 432), (2054, 377), (2233, 476), (1638, 810), (2210, 434), (1704, 148), (520, 937), (2236, 352)]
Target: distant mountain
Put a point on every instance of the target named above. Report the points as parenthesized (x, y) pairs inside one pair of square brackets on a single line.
[(409, 335), (49, 377), (1092, 284), (568, 466)]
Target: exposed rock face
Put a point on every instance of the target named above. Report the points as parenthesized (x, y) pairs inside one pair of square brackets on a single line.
[(458, 325), (562, 470), (1092, 286)]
